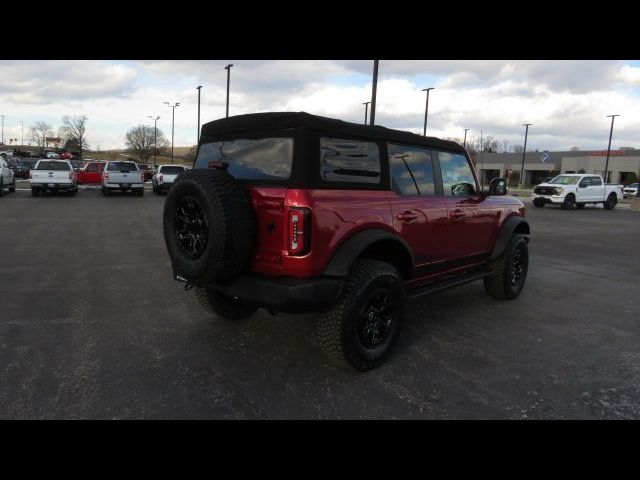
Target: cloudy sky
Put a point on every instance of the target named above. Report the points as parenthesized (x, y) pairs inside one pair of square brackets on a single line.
[(566, 101)]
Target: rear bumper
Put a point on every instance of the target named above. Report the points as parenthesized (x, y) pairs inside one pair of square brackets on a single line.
[(53, 186), (117, 186), (285, 294)]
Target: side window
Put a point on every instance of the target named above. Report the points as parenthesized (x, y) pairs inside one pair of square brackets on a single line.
[(349, 161), (596, 181), (93, 167), (457, 177), (411, 170)]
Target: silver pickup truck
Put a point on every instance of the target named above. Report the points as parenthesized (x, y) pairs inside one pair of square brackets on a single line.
[(122, 176), (52, 176)]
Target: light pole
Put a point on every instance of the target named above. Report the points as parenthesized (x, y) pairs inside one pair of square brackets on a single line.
[(22, 133), (374, 92), (366, 111), (464, 145), (173, 118), (606, 168), (155, 137), (426, 110), (228, 69), (198, 135), (524, 152), (2, 128)]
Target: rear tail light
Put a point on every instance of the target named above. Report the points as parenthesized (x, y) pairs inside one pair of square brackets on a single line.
[(105, 175), (160, 178), (299, 231), (142, 177)]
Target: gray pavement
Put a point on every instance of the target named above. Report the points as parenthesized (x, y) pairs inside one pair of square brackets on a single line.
[(93, 326)]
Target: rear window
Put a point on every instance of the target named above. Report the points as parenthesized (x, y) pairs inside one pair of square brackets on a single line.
[(53, 166), (349, 161), (171, 170), (122, 166), (250, 159)]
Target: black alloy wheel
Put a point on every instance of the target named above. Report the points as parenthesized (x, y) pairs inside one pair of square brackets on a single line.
[(192, 228)]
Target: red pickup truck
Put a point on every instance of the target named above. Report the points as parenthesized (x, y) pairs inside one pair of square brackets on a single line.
[(91, 173)]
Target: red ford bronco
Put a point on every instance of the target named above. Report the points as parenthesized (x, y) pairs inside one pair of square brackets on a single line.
[(294, 212)]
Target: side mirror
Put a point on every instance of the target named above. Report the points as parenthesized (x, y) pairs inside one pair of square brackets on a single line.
[(498, 186)]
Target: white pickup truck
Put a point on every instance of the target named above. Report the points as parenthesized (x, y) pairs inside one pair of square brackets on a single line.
[(575, 191), (165, 176), (52, 175), (122, 176)]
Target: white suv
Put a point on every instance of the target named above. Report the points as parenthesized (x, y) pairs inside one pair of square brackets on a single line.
[(7, 179)]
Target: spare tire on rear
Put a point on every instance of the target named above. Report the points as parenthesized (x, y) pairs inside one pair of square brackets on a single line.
[(208, 226)]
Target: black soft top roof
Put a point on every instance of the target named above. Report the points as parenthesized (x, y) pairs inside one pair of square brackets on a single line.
[(259, 122)]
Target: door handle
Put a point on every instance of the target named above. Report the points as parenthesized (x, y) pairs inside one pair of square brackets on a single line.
[(407, 216), (457, 215)]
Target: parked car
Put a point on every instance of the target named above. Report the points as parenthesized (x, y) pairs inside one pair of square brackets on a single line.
[(122, 176), (148, 171), (630, 190), (20, 166), (7, 178), (575, 190), (51, 155), (322, 215), (91, 173), (164, 178), (52, 176)]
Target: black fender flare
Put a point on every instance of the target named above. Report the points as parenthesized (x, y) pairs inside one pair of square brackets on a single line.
[(350, 250), (505, 233)]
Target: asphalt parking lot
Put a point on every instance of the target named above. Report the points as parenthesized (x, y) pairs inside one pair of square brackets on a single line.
[(93, 326)]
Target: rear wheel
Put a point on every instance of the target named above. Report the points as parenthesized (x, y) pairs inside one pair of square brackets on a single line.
[(538, 204), (106, 192), (12, 187), (611, 202), (360, 330), (569, 202), (230, 308), (509, 270)]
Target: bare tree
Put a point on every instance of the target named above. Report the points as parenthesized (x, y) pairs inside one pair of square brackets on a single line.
[(38, 133), (74, 130), (191, 154), (140, 141), (574, 149)]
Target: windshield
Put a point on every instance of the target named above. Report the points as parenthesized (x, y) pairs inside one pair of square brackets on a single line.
[(122, 166), (171, 170), (43, 165), (250, 159), (565, 180)]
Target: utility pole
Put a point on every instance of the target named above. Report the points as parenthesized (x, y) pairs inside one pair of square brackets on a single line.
[(2, 128), (374, 91), (198, 135), (155, 138), (173, 121), (524, 152), (464, 145), (22, 133), (606, 168), (228, 69), (366, 111), (426, 110)]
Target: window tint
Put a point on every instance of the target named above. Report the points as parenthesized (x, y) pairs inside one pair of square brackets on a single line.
[(457, 177), (349, 161), (122, 166), (595, 181), (171, 170), (411, 170), (44, 165), (94, 167), (250, 159)]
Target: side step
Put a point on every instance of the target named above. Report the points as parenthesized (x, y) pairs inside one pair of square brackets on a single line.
[(444, 284)]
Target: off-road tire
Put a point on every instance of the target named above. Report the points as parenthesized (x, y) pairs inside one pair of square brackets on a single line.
[(226, 207), (569, 202), (499, 284), (610, 202), (222, 306), (339, 326)]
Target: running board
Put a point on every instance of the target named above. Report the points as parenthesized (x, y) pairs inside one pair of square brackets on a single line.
[(449, 283)]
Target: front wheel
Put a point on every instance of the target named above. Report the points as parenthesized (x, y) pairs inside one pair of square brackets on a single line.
[(509, 270), (611, 202), (229, 308), (360, 330), (538, 204), (12, 187), (569, 202)]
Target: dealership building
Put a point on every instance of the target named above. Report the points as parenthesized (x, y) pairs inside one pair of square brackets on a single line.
[(541, 165)]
